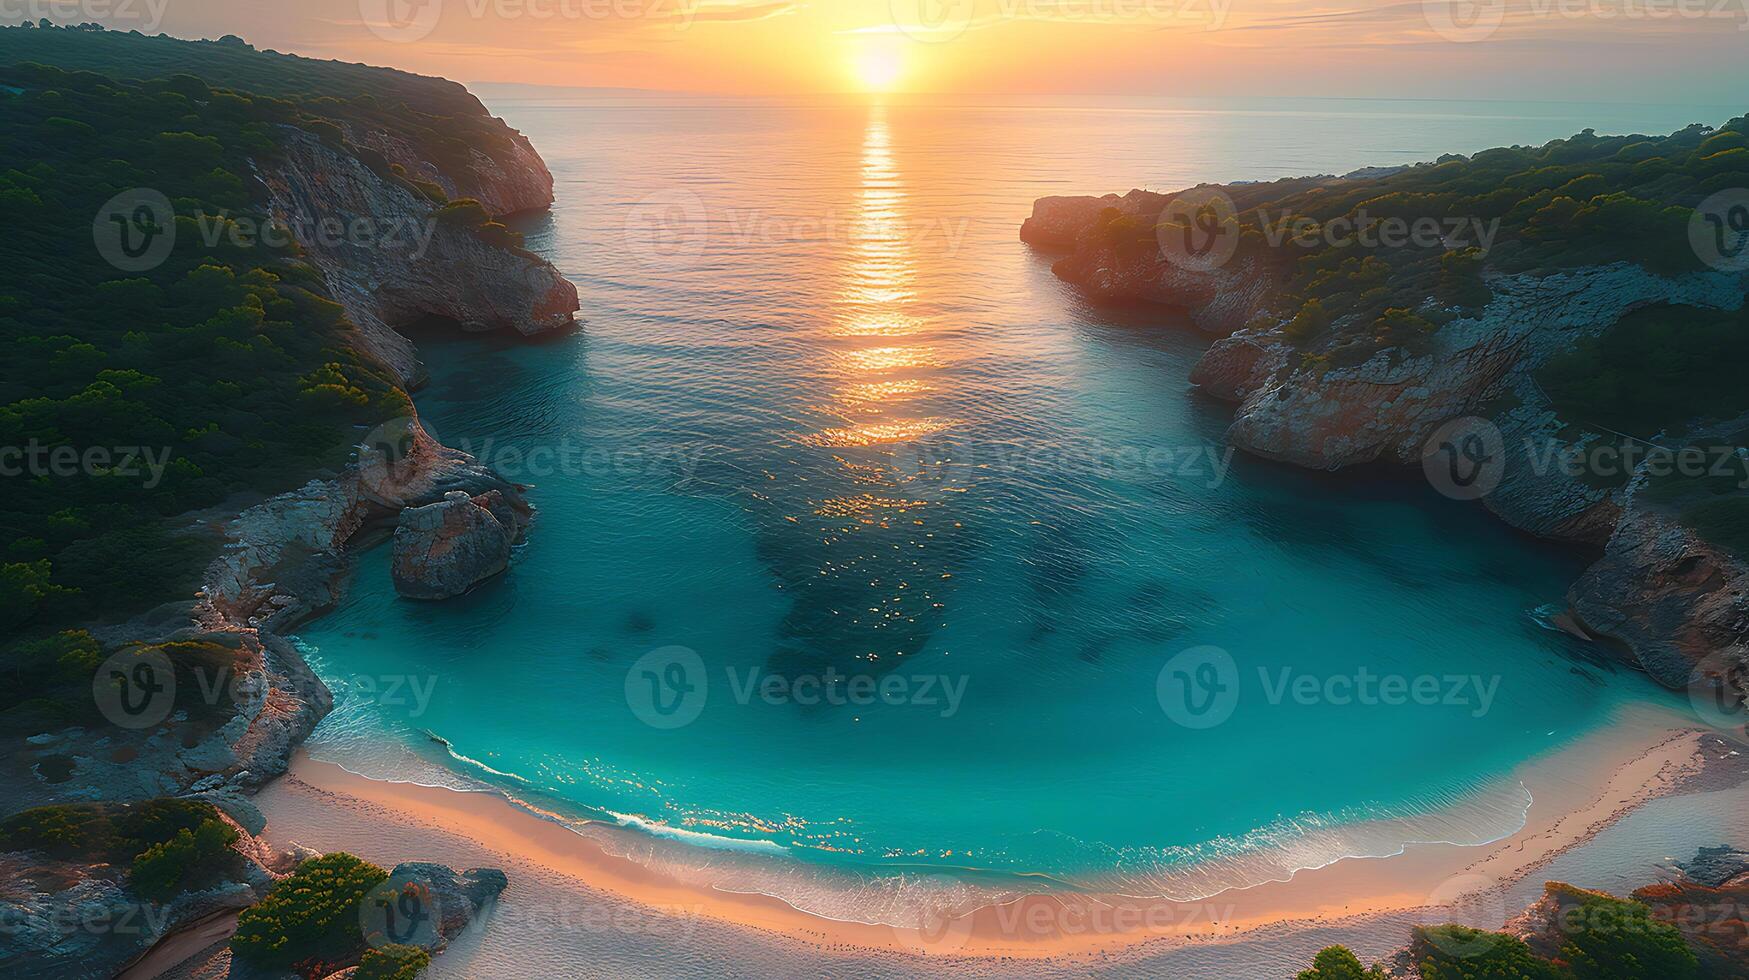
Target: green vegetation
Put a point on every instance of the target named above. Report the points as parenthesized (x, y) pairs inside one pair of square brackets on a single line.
[(437, 115), (1611, 939), (169, 845), (223, 370), (392, 962), (185, 861), (1600, 938), (1352, 247), (1453, 952), (1657, 370), (1338, 963), (310, 919)]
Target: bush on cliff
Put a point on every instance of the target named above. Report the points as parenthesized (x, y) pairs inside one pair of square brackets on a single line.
[(392, 962), (191, 860), (1608, 938), (310, 919), (1454, 952), (168, 845)]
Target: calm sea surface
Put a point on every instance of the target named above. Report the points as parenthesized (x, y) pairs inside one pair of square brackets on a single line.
[(863, 542)]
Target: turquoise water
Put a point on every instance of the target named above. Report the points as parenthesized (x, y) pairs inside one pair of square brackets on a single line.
[(829, 417)]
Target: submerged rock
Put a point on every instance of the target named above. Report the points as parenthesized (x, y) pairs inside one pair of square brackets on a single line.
[(446, 548)]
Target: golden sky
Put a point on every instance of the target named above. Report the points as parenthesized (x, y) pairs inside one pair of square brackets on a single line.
[(1673, 51)]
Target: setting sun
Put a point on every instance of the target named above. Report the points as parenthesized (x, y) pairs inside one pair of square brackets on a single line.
[(877, 69)]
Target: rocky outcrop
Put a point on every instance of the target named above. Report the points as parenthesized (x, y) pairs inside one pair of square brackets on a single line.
[(413, 263), (444, 549), (1660, 595), (1679, 605), (511, 180), (67, 919)]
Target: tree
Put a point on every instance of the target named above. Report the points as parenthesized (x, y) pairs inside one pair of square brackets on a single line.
[(1338, 963), (309, 917), (392, 962)]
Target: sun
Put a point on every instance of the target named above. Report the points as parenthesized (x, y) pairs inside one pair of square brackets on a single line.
[(877, 68)]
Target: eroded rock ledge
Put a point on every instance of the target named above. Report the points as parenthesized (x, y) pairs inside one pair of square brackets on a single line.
[(1660, 595)]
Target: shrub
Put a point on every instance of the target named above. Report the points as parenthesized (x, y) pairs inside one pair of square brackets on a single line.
[(1454, 952), (392, 962), (1338, 963), (1608, 938), (309, 917), (190, 860)]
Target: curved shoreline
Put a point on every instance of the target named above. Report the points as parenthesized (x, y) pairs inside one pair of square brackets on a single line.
[(1579, 791)]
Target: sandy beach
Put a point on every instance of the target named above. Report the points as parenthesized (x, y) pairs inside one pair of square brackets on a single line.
[(574, 908)]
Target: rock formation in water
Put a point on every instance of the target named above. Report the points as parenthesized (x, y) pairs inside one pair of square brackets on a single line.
[(444, 549)]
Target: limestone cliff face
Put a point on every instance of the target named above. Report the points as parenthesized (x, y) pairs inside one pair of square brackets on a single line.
[(1660, 594), (1678, 603), (512, 180), (411, 264)]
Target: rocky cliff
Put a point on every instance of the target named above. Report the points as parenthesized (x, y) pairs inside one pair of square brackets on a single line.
[(416, 263), (1660, 594)]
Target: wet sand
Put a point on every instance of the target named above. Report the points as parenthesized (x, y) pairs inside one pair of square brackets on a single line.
[(574, 908)]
